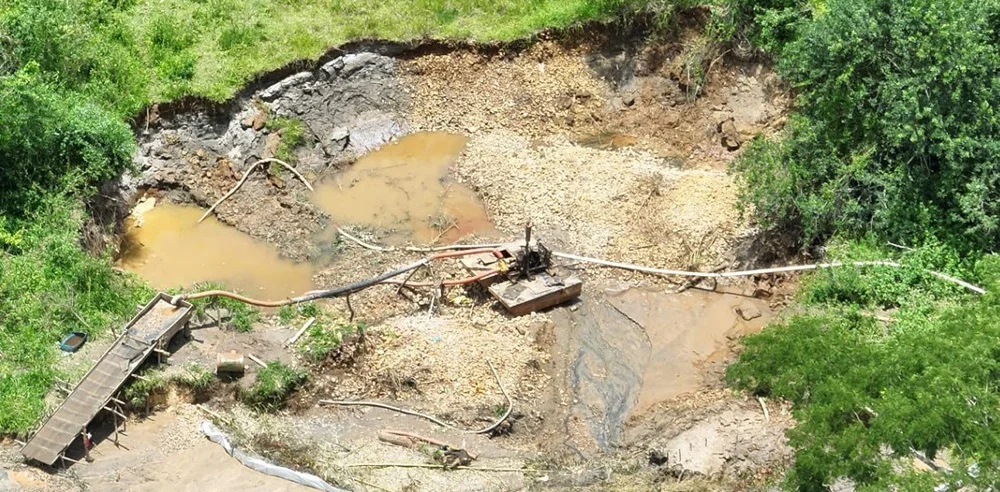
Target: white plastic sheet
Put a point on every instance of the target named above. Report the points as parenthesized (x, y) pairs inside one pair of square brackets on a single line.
[(217, 436)]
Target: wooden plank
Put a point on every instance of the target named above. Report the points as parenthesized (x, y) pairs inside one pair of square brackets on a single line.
[(528, 296)]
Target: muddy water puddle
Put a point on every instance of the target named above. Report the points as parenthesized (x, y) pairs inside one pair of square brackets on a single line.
[(403, 188), (168, 249), (686, 333), (621, 353)]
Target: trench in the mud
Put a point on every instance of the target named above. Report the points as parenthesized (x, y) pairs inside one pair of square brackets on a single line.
[(403, 189)]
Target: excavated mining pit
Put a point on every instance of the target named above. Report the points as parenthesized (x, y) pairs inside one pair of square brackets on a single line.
[(605, 144)]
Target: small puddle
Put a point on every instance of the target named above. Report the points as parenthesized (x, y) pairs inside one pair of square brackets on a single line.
[(169, 250), (403, 187)]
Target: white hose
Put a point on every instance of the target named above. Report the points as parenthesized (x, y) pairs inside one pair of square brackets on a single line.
[(747, 273)]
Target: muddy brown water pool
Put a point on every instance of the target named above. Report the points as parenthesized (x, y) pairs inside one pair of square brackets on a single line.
[(169, 249), (403, 187)]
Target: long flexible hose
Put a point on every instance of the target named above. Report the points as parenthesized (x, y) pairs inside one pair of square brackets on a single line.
[(386, 278), (749, 273), (349, 288), (308, 296)]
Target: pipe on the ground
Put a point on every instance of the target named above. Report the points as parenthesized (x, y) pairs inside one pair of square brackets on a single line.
[(308, 296), (747, 273), (344, 290)]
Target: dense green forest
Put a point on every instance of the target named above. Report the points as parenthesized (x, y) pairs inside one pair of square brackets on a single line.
[(893, 138)]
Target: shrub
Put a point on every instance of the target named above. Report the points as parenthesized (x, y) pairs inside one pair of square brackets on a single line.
[(138, 391), (896, 125), (50, 287), (324, 340), (853, 399), (273, 386), (154, 380), (865, 391), (86, 45), (53, 141)]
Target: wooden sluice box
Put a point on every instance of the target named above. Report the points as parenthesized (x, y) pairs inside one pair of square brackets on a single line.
[(522, 293)]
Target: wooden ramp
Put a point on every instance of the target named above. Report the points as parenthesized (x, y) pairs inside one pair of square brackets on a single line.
[(149, 330)]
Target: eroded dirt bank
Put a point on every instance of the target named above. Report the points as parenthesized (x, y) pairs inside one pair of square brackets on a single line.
[(607, 148)]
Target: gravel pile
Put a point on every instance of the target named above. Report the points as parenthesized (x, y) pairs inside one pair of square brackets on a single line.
[(540, 91), (441, 361), (623, 205)]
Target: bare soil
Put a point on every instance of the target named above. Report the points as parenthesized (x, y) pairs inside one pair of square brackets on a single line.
[(610, 150)]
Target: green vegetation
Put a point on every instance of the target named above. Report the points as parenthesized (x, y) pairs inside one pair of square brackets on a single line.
[(194, 377), (241, 316), (866, 391), (292, 132), (324, 336), (273, 386), (131, 52), (225, 42), (896, 125), (48, 288), (893, 139)]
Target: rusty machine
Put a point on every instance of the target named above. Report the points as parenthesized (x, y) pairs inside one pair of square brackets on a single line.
[(524, 281)]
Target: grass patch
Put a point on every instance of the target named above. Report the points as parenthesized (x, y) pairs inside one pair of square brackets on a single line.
[(194, 377), (274, 384), (326, 336), (233, 40), (288, 314), (293, 133)]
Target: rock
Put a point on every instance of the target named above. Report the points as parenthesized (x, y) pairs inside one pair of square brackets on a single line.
[(199, 198), (372, 132), (748, 312), (355, 62), (657, 458), (730, 137), (347, 65), (331, 67), (565, 103), (339, 138), (276, 90), (271, 145), (259, 120)]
